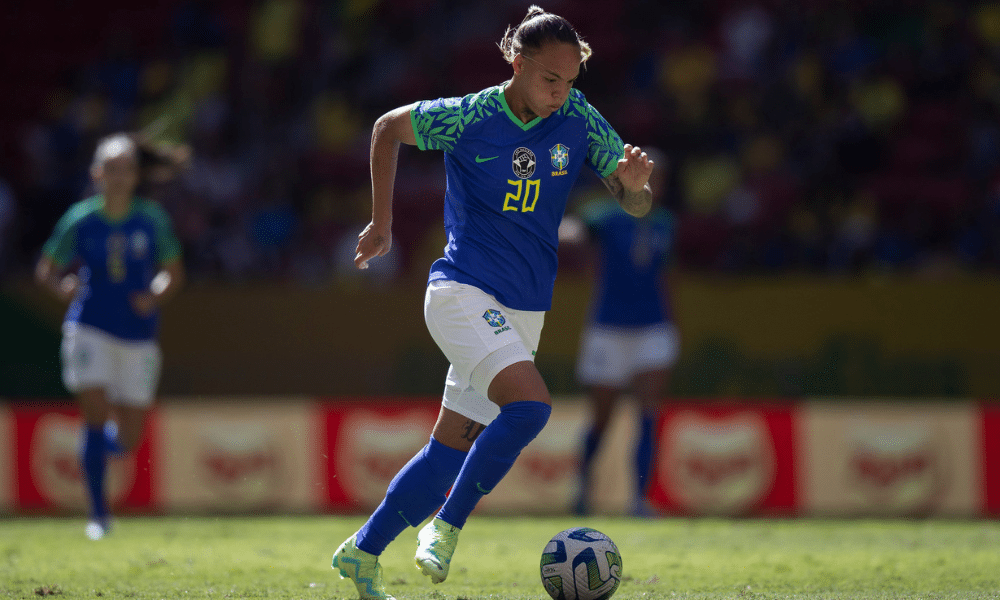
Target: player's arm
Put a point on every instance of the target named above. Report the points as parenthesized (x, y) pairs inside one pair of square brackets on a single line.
[(629, 183), (51, 277), (165, 285), (390, 130)]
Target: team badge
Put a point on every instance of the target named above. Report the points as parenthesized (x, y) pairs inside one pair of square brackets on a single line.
[(559, 155), (524, 162), (494, 318)]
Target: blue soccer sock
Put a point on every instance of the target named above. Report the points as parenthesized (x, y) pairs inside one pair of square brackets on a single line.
[(414, 493), (111, 438), (644, 455), (492, 456), (93, 457), (591, 442)]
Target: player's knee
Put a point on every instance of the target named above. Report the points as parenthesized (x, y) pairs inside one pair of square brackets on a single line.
[(528, 416)]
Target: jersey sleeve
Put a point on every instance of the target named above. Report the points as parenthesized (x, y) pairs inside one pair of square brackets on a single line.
[(606, 147), (168, 247), (60, 248), (437, 124)]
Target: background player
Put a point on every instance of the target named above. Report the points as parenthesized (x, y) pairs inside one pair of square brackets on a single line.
[(512, 153), (129, 264), (629, 342)]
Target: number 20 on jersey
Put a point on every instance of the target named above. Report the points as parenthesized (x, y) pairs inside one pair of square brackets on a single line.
[(523, 198)]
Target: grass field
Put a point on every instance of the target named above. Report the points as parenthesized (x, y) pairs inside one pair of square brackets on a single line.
[(289, 558)]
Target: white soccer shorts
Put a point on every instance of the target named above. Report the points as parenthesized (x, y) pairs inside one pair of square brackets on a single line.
[(128, 371), (612, 356), (480, 337)]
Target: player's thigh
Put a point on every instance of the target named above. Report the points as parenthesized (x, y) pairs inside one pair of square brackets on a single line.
[(94, 406), (605, 357), (87, 362), (139, 374)]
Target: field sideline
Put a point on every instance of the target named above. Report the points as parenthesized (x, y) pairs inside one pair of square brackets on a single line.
[(674, 558)]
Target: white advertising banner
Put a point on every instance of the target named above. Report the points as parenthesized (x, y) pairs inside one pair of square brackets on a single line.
[(885, 458), (240, 456)]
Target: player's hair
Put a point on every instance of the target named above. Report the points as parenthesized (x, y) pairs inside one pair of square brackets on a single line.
[(156, 161), (537, 28)]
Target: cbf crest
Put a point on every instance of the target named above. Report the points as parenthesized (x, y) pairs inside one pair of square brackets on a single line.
[(559, 155), (524, 162), (494, 318)]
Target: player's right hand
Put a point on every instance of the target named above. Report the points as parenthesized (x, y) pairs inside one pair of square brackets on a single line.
[(372, 241)]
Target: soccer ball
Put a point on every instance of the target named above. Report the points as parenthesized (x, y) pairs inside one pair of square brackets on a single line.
[(581, 563)]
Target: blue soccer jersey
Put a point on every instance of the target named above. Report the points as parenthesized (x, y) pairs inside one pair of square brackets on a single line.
[(118, 258), (633, 253), (507, 187)]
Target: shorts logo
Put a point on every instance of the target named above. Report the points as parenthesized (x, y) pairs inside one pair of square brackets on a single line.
[(559, 155), (494, 318), (524, 162)]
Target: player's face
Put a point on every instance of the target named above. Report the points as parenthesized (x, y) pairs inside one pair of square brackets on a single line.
[(118, 175), (549, 76)]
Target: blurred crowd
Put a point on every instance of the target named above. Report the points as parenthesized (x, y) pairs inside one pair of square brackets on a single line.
[(827, 136)]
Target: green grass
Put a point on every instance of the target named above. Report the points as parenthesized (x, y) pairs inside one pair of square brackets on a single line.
[(289, 558)]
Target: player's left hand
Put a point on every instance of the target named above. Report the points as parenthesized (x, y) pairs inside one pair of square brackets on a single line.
[(634, 168)]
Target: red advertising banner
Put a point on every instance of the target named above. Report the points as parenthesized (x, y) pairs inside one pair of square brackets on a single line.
[(47, 464), (725, 458), (367, 442), (7, 446)]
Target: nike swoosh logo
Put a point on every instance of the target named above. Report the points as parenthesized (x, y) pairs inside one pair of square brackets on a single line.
[(482, 160), (478, 485)]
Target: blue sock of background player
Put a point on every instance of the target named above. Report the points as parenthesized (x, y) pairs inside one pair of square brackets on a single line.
[(414, 493), (93, 456), (492, 456), (643, 461), (591, 442), (111, 438)]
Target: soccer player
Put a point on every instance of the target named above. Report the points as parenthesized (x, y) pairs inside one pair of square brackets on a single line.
[(512, 153), (127, 263), (629, 342)]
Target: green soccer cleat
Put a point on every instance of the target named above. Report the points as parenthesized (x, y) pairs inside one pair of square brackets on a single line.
[(361, 568), (435, 546)]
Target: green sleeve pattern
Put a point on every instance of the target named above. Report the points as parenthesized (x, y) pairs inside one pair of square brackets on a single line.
[(439, 124), (168, 247), (605, 147), (61, 245)]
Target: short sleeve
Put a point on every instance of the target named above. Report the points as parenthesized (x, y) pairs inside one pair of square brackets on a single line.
[(437, 124), (61, 245), (605, 147), (168, 247)]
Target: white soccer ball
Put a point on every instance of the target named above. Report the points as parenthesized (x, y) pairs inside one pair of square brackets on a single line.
[(581, 563)]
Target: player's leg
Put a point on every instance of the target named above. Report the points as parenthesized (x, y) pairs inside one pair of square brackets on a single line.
[(413, 495), (602, 399), (649, 386), (87, 365), (525, 406), (659, 347), (95, 409), (604, 366)]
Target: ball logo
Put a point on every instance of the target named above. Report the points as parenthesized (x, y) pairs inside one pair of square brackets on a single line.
[(524, 162), (55, 464), (897, 466), (717, 465)]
